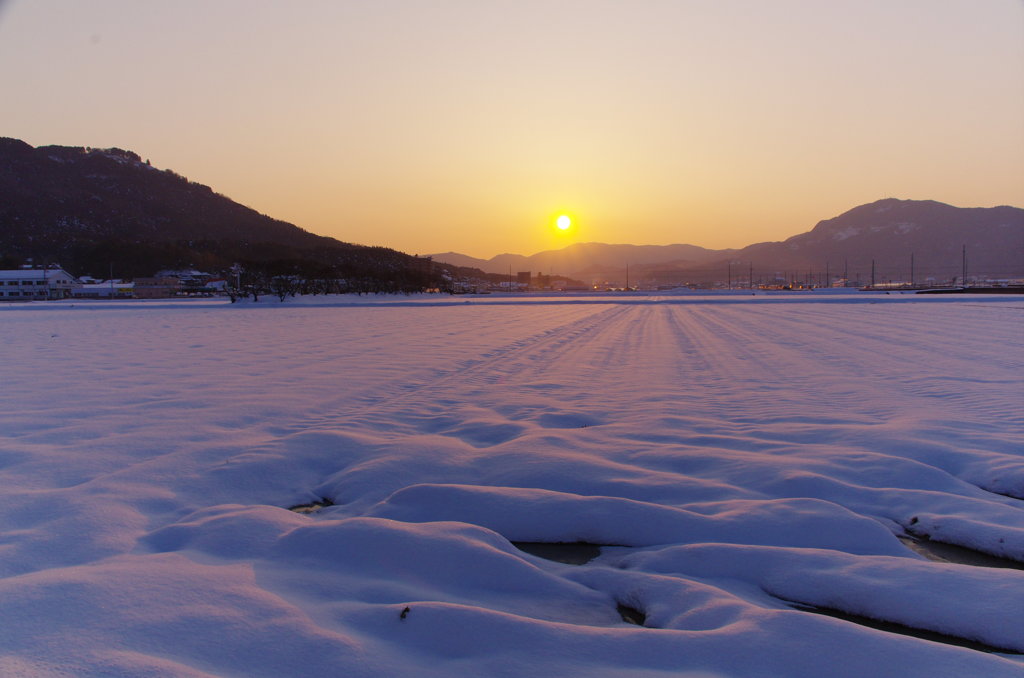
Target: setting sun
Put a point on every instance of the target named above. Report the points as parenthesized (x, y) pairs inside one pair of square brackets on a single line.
[(563, 222)]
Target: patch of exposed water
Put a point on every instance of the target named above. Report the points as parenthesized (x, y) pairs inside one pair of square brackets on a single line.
[(311, 507), (894, 627), (574, 553), (631, 615), (941, 552)]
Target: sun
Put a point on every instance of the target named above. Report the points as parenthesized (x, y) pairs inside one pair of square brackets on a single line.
[(563, 223)]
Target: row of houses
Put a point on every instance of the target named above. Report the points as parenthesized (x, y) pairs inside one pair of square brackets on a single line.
[(34, 284)]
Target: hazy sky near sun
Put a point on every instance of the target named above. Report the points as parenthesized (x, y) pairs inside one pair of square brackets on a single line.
[(469, 125)]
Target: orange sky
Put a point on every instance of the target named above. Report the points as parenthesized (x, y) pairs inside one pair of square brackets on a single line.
[(469, 126)]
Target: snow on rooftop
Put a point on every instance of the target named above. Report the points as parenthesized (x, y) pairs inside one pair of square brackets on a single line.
[(23, 274)]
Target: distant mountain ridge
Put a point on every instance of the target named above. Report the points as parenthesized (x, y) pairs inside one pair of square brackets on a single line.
[(582, 258), (99, 210), (882, 235), (106, 210)]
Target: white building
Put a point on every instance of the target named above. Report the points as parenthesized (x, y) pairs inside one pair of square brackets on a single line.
[(28, 284)]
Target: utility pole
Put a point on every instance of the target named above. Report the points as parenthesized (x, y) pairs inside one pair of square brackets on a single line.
[(964, 274), (828, 276), (872, 273), (750, 274), (728, 268), (911, 269)]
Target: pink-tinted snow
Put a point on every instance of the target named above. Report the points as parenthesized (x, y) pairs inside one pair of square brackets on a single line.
[(742, 453)]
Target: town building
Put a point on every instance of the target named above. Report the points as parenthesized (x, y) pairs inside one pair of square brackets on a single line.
[(34, 284)]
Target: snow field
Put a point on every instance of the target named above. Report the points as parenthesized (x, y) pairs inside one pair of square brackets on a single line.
[(738, 456)]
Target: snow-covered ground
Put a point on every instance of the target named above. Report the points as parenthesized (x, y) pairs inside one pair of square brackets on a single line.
[(747, 457)]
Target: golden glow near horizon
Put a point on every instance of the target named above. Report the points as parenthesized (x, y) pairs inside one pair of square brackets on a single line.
[(669, 120)]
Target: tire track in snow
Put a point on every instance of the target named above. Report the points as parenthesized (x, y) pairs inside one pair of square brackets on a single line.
[(961, 353), (472, 377)]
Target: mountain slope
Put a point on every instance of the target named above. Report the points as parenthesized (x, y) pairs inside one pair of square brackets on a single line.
[(890, 231), (95, 210)]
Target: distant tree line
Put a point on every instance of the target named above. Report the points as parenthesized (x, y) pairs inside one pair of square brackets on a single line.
[(291, 277)]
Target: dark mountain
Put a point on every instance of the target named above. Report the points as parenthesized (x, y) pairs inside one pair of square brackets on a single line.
[(886, 233), (890, 231), (96, 209)]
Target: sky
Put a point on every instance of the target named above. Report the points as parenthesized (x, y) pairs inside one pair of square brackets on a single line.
[(469, 126)]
